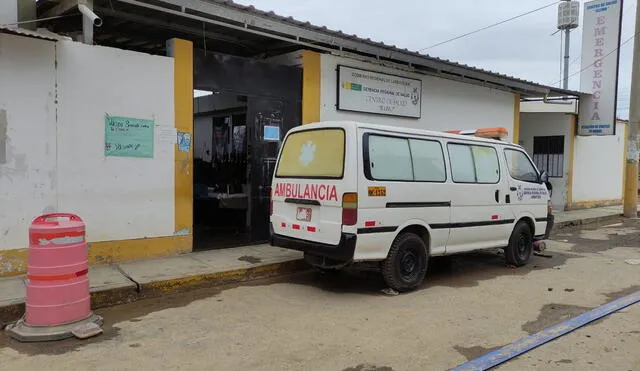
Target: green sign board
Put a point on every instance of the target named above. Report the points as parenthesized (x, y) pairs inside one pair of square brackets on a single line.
[(128, 137)]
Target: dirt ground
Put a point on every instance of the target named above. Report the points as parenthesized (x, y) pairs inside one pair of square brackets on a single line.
[(468, 306)]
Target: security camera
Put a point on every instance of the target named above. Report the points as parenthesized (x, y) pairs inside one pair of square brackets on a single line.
[(97, 21)]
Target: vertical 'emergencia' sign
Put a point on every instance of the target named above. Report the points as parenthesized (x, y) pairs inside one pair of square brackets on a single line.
[(600, 55)]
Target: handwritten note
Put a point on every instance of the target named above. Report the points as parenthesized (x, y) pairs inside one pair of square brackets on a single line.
[(128, 137)]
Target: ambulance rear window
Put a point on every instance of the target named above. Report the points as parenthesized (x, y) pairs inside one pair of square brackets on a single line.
[(317, 153)]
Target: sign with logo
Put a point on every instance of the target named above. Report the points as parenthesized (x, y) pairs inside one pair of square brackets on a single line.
[(373, 92), (532, 193), (600, 55)]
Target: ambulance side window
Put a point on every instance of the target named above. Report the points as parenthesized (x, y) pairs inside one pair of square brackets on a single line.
[(520, 167), (390, 158), (428, 161), (474, 163)]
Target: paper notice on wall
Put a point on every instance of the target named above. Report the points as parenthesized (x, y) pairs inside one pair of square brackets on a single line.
[(167, 134), (184, 142), (128, 137)]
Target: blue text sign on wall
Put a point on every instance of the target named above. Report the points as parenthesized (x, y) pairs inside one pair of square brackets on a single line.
[(184, 142), (128, 137)]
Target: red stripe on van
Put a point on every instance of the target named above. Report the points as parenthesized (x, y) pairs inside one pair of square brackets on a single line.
[(296, 227), (370, 223), (283, 225), (311, 229), (495, 217)]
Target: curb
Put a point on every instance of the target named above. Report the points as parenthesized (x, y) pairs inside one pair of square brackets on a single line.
[(116, 296), (586, 221), (123, 295)]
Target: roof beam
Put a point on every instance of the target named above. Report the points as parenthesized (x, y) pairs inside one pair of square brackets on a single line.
[(173, 26), (248, 22), (63, 7)]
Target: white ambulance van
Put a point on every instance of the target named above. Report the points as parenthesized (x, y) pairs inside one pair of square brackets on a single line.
[(346, 192)]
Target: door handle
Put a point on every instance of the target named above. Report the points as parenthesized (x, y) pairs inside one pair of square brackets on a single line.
[(513, 189), (497, 195)]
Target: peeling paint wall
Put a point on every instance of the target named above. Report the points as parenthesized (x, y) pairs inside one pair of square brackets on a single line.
[(52, 133), (28, 184)]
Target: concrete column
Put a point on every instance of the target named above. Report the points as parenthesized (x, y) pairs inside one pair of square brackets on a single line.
[(9, 12), (87, 25), (27, 12)]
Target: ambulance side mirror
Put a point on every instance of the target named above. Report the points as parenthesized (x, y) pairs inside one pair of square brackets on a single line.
[(544, 177)]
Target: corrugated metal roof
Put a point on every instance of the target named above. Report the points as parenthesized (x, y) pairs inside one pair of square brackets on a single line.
[(392, 48), (27, 33)]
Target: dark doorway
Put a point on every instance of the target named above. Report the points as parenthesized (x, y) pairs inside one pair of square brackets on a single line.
[(248, 108), (221, 188)]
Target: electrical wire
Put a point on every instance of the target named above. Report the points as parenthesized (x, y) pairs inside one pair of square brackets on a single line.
[(624, 11), (39, 20), (606, 55), (490, 26)]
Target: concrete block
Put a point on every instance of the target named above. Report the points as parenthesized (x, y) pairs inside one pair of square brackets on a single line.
[(154, 270), (13, 291), (245, 257), (108, 277)]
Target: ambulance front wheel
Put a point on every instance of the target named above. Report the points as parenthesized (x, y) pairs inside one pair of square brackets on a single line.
[(406, 265), (520, 248)]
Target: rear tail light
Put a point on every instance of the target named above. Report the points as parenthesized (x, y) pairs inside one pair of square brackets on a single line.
[(349, 209)]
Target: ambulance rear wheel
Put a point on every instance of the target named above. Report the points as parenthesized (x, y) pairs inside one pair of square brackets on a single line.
[(406, 265)]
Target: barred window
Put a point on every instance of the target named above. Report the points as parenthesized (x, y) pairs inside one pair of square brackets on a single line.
[(548, 155)]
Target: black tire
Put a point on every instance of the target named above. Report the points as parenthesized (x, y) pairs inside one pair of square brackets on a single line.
[(327, 271), (406, 265), (520, 248)]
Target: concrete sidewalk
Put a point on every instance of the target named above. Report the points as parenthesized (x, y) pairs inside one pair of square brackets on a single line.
[(126, 282)]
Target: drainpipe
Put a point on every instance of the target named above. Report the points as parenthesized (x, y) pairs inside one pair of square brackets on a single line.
[(547, 101), (89, 20)]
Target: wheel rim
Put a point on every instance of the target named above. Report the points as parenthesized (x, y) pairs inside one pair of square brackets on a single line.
[(410, 264), (524, 244)]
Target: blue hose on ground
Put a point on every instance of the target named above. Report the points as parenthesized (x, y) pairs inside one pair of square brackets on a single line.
[(530, 342)]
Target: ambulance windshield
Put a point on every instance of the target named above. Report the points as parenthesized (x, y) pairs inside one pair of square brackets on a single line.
[(317, 153)]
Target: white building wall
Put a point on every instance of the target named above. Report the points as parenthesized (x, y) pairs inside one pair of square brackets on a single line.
[(119, 197), (55, 139), (548, 124), (446, 104), (9, 12), (28, 180), (598, 167)]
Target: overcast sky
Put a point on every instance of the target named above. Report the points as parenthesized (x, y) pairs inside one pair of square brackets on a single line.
[(522, 48)]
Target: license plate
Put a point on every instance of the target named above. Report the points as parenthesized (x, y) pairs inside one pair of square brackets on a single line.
[(304, 214)]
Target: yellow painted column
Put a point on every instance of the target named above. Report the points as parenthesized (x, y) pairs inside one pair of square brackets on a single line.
[(311, 84), (182, 53), (516, 118), (624, 161)]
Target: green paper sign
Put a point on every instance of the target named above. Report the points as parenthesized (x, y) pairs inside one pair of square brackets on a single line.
[(128, 137)]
